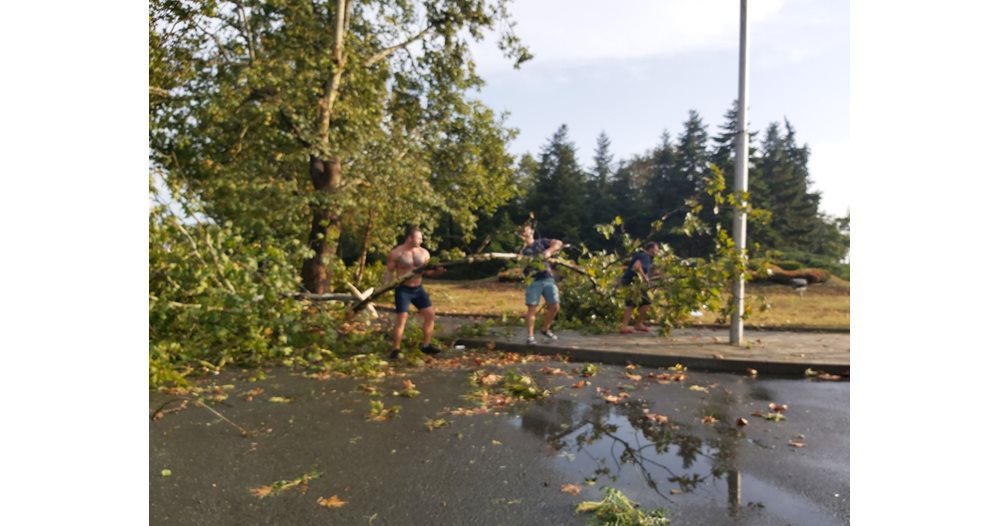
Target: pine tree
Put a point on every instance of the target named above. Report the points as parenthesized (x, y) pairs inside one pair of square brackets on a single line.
[(601, 206), (724, 156), (559, 195), (679, 175), (795, 209)]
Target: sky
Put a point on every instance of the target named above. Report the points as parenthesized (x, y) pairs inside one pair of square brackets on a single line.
[(634, 68)]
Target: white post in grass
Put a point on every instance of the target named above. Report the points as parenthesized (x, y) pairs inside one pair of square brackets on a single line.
[(740, 183)]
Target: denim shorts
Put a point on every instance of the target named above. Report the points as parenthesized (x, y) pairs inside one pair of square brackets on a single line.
[(415, 295), (542, 287)]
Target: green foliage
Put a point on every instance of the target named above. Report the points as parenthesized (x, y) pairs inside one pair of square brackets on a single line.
[(522, 385), (615, 509), (399, 136), (681, 284)]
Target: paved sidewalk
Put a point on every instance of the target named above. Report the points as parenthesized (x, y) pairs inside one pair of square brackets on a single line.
[(769, 352)]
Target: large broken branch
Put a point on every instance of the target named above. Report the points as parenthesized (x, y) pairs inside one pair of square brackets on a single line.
[(475, 258)]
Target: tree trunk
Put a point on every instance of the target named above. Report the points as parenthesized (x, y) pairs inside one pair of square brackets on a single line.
[(325, 176), (364, 245)]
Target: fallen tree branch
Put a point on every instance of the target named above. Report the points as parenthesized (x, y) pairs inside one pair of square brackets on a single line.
[(475, 258)]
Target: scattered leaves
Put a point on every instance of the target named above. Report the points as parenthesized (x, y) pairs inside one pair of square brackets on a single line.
[(796, 443), (589, 370), (615, 399), (332, 501), (653, 417), (572, 489), (617, 509), (166, 473), (580, 384), (709, 419), (431, 424), (698, 389), (742, 422), (553, 371), (777, 408), (379, 413), (633, 377), (281, 486), (279, 400), (409, 390)]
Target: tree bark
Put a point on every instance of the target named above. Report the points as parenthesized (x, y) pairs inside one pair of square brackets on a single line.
[(326, 177), (364, 245)]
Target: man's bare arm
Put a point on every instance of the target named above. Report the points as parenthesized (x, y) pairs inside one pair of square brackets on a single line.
[(390, 268), (637, 268), (554, 247)]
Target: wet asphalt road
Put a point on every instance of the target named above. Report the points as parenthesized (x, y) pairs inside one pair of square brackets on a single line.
[(507, 468)]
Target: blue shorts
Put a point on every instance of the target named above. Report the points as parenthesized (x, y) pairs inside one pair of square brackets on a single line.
[(542, 287), (415, 295)]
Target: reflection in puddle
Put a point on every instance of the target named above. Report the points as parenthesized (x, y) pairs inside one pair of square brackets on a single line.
[(670, 464)]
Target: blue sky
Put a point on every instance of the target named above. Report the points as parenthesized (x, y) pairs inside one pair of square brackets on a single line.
[(634, 68)]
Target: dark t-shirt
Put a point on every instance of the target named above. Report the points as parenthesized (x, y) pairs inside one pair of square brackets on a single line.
[(536, 248), (645, 260)]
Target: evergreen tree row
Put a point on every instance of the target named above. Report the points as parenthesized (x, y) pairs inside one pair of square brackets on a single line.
[(568, 198)]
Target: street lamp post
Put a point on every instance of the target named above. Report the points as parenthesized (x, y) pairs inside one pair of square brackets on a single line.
[(740, 184)]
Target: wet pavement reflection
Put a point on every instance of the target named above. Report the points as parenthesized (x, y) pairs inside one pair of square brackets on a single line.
[(675, 465)]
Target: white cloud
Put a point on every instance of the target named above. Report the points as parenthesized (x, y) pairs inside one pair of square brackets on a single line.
[(574, 31), (830, 171)]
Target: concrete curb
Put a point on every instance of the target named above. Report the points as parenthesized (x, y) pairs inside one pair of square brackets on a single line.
[(772, 368)]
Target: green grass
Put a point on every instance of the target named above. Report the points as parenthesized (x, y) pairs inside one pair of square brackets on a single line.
[(823, 306)]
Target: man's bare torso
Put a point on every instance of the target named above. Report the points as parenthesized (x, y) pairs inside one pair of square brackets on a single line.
[(407, 259)]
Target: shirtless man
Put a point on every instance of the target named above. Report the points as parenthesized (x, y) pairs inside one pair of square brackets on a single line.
[(402, 260)]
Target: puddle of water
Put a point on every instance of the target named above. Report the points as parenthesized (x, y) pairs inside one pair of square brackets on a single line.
[(670, 465)]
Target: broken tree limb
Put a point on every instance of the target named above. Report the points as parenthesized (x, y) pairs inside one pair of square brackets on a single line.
[(467, 260)]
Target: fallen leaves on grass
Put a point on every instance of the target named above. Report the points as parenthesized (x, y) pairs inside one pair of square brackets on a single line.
[(332, 501), (572, 489)]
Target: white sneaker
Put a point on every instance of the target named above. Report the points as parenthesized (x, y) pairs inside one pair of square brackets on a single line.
[(550, 335), (531, 340)]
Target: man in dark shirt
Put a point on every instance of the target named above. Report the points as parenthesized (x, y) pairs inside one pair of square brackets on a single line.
[(638, 267), (543, 282)]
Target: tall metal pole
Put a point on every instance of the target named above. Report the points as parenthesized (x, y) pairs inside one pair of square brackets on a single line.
[(740, 184)]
